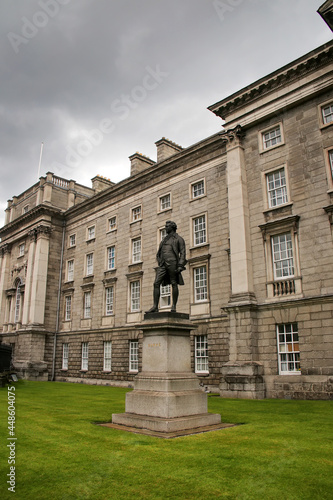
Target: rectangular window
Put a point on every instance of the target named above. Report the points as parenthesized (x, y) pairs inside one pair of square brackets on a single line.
[(109, 293), (277, 188), (200, 284), (199, 230), (198, 189), (112, 224), (17, 304), (136, 213), (21, 249), (283, 259), (288, 348), (107, 356), (70, 270), (165, 202), (201, 354), (90, 264), (91, 233), (135, 296), (133, 356), (87, 305), (72, 240), (84, 359), (136, 250), (65, 351), (163, 234), (271, 137), (330, 159), (111, 258), (327, 113), (68, 307), (165, 297)]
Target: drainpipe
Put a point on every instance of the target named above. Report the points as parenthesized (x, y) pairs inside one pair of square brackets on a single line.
[(58, 301)]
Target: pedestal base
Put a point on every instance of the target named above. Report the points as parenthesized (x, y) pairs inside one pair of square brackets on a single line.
[(168, 425), (167, 397)]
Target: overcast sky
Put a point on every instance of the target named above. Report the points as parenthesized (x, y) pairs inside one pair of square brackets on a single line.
[(98, 80)]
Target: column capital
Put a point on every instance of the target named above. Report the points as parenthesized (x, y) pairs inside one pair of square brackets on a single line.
[(233, 136), (41, 229), (5, 249)]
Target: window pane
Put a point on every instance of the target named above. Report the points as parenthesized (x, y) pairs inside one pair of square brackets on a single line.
[(199, 224), (135, 296), (136, 250), (109, 300), (107, 355), (201, 353), (327, 112), (133, 355), (65, 351), (198, 189), (111, 257), (165, 202), (282, 256), (288, 348), (200, 284), (87, 304), (277, 188), (272, 137)]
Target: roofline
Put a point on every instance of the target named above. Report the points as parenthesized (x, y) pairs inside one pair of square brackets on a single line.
[(270, 81)]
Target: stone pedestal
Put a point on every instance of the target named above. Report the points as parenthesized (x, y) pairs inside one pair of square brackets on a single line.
[(166, 397)]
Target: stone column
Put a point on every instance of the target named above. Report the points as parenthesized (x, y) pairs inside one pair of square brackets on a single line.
[(39, 276), (4, 270), (239, 225), (28, 282), (166, 396)]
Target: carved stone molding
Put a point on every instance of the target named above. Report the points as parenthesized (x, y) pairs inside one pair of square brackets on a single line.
[(233, 135), (41, 230), (5, 249)]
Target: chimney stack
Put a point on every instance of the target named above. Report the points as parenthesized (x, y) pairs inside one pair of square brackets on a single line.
[(166, 148), (139, 163)]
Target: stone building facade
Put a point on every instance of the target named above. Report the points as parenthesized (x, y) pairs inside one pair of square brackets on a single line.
[(254, 203)]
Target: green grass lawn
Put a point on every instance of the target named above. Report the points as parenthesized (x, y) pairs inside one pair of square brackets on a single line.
[(283, 450)]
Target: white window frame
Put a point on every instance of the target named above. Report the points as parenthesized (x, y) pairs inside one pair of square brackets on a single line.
[(68, 307), (136, 213), (18, 303), (201, 354), (277, 187), (194, 196), (165, 297), (112, 227), (70, 270), (279, 248), (273, 128), (111, 259), (87, 299), (326, 118), (107, 355), (288, 349), (135, 295), (135, 253), (89, 265), (72, 240), (200, 293), (199, 236), (109, 300), (328, 152), (133, 356), (91, 232), (161, 208), (84, 356), (65, 353), (21, 249)]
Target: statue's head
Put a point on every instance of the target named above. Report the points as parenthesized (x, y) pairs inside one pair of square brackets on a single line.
[(171, 225)]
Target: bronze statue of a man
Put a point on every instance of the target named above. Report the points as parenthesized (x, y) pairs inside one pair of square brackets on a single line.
[(171, 258)]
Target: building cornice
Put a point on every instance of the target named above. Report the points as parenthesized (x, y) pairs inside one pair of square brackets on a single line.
[(29, 217), (306, 64)]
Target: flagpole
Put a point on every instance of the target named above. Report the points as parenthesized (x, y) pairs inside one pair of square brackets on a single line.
[(40, 160)]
